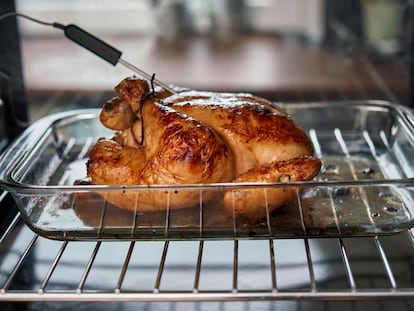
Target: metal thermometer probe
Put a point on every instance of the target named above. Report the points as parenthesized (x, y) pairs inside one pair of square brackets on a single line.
[(105, 51)]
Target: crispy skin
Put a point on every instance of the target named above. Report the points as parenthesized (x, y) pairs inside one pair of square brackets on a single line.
[(132, 90), (199, 137), (181, 151), (112, 164), (254, 203), (255, 129), (117, 114)]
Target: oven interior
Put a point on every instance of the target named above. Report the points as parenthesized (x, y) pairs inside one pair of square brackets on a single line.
[(286, 51)]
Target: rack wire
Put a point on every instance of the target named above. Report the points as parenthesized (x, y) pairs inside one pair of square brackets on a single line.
[(33, 268)]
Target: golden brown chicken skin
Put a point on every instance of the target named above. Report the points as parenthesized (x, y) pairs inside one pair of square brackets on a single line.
[(256, 202), (254, 129), (199, 137), (176, 149)]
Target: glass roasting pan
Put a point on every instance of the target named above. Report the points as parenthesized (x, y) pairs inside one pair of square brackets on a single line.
[(366, 185)]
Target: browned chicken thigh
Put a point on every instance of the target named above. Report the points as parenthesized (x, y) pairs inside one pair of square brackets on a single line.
[(198, 138)]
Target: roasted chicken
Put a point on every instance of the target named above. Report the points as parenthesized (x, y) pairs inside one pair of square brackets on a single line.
[(197, 138)]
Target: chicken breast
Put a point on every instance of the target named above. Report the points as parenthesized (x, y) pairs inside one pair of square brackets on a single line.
[(198, 138), (256, 131)]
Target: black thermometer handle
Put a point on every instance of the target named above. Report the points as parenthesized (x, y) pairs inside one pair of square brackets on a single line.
[(104, 50), (92, 43)]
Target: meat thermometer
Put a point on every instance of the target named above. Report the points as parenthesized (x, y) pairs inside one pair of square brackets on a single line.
[(95, 45), (105, 51)]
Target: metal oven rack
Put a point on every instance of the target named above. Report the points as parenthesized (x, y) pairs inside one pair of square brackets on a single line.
[(33, 268), (36, 269)]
